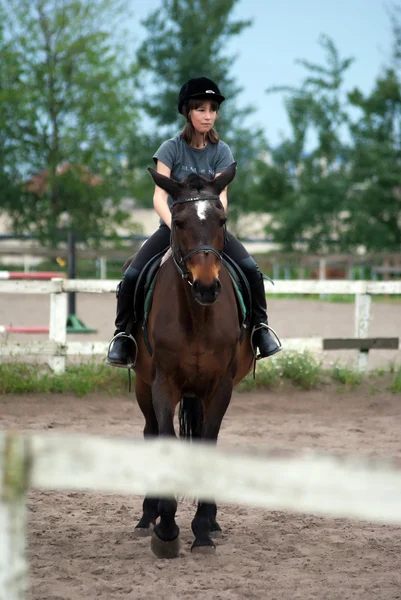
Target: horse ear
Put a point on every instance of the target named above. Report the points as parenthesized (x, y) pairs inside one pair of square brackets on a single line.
[(221, 181), (173, 188)]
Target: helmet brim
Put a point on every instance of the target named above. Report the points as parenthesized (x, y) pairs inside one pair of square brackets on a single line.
[(212, 97)]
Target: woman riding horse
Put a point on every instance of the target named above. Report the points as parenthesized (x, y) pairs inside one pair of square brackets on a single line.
[(200, 347), (196, 149)]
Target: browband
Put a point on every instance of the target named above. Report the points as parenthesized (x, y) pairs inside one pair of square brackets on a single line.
[(210, 197)]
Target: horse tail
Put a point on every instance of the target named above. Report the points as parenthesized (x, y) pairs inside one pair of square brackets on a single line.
[(191, 418)]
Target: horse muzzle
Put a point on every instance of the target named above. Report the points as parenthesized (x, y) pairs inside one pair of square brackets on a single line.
[(206, 294)]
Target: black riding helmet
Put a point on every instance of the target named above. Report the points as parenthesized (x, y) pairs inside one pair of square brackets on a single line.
[(200, 87)]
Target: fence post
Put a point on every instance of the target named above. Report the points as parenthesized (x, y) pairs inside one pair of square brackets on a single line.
[(362, 318), (322, 274), (57, 327), (14, 479), (103, 267)]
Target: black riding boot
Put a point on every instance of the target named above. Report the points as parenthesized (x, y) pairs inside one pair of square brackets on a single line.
[(122, 349), (262, 337)]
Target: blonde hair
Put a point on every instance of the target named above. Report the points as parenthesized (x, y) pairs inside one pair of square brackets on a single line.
[(188, 131)]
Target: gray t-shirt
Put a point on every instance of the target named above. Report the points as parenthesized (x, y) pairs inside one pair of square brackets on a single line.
[(183, 159)]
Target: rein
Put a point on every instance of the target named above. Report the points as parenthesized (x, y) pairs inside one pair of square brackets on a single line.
[(180, 260)]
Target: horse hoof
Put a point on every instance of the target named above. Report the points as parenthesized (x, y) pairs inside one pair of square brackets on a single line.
[(204, 550), (165, 549), (142, 532), (217, 534)]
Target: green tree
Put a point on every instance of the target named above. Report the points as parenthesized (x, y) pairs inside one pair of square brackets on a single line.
[(306, 187), (185, 39), (10, 132), (74, 85), (374, 201)]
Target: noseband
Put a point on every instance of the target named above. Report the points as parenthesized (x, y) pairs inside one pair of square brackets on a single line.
[(181, 260)]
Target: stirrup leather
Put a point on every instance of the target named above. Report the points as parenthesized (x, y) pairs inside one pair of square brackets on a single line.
[(263, 326), (130, 365)]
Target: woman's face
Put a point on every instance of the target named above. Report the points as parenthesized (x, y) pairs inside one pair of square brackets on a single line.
[(203, 117)]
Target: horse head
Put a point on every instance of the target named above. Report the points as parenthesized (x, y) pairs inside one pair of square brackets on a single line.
[(197, 229)]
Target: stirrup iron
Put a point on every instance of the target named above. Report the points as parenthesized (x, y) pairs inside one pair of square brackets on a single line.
[(130, 365), (263, 326)]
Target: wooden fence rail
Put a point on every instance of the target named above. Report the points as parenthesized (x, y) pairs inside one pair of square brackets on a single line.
[(58, 348), (304, 482)]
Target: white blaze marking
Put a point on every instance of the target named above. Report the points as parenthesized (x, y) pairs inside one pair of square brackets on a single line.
[(201, 208)]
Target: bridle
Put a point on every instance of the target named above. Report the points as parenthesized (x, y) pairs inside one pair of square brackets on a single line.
[(179, 259)]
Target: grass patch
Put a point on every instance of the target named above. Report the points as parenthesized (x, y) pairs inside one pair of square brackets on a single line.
[(19, 378), (301, 369), (346, 376), (395, 386)]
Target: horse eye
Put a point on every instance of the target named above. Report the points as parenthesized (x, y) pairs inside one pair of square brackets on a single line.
[(179, 224), (223, 221)]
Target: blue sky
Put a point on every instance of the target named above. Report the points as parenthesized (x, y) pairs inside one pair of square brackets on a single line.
[(285, 30)]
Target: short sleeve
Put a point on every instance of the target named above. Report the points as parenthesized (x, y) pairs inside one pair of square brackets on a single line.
[(225, 158), (166, 153)]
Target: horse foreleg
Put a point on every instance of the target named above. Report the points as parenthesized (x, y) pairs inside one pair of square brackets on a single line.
[(204, 525), (165, 541), (150, 510)]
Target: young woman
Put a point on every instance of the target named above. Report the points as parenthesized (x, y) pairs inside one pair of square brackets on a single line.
[(198, 149)]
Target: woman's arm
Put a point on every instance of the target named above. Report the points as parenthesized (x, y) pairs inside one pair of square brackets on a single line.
[(160, 196), (223, 196)]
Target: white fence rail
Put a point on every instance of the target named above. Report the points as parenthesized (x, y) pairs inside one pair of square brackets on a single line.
[(58, 348), (306, 482)]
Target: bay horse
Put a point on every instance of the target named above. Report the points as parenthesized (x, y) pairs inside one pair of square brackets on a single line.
[(199, 351)]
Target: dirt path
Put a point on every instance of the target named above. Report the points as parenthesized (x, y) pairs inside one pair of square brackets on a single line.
[(81, 545)]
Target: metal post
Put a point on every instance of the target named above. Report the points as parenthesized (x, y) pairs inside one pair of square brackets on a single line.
[(71, 270), (74, 324)]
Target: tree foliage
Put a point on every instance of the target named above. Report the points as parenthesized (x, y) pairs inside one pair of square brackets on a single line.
[(307, 184), (67, 96), (374, 200), (180, 46), (334, 183)]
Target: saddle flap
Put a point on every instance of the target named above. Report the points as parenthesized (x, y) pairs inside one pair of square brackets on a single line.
[(241, 288)]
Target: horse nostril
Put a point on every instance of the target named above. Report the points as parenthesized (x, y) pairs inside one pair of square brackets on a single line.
[(206, 294), (196, 286)]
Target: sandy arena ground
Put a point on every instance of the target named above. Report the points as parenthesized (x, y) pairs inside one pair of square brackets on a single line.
[(81, 545)]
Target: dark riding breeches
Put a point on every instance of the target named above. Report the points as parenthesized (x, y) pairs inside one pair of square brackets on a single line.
[(157, 242), (161, 240)]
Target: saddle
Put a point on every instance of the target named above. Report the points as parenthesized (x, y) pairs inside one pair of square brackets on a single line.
[(145, 285)]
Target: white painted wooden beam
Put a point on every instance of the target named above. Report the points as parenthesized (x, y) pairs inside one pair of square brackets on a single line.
[(302, 482)]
